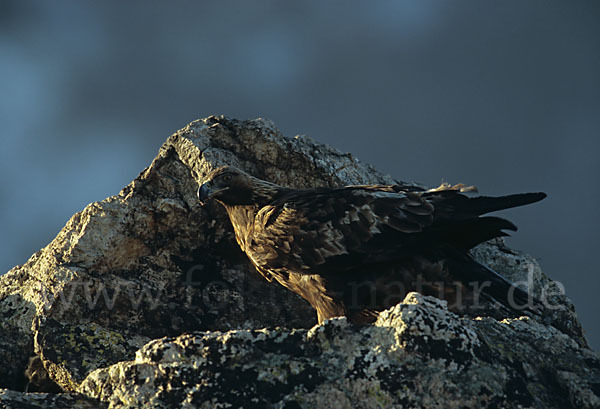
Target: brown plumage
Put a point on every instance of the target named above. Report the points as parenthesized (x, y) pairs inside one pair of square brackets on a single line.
[(356, 250)]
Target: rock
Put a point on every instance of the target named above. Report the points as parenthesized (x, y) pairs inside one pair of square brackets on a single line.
[(20, 400), (416, 355), (151, 263), (526, 272)]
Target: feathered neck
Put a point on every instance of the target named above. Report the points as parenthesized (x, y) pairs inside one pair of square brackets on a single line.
[(260, 194), (242, 220)]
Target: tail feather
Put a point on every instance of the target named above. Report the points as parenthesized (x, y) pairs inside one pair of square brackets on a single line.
[(485, 204), (469, 233)]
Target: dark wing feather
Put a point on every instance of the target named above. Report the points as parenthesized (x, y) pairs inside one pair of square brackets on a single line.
[(328, 230), (449, 203)]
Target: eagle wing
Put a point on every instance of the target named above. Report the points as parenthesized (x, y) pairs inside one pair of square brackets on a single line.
[(328, 230)]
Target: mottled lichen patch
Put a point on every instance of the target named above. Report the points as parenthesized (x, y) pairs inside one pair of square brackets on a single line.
[(18, 400), (417, 355)]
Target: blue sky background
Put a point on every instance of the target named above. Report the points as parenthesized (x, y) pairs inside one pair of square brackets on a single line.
[(502, 95)]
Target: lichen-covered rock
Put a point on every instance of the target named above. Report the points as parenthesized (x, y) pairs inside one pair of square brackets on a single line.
[(150, 262), (19, 400), (416, 355)]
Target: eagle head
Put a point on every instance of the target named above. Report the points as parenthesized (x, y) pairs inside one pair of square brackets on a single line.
[(233, 187)]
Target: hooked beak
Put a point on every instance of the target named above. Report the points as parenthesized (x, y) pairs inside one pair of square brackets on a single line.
[(205, 193)]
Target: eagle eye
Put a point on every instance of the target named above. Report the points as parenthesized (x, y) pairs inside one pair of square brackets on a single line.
[(227, 178)]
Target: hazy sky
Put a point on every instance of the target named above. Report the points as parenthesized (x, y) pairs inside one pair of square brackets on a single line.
[(504, 95)]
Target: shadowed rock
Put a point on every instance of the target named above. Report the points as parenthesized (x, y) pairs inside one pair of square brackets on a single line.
[(18, 400)]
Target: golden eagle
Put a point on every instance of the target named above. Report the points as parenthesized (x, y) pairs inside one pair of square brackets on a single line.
[(356, 250)]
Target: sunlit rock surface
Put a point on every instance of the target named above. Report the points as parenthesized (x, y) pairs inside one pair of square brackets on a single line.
[(151, 263)]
